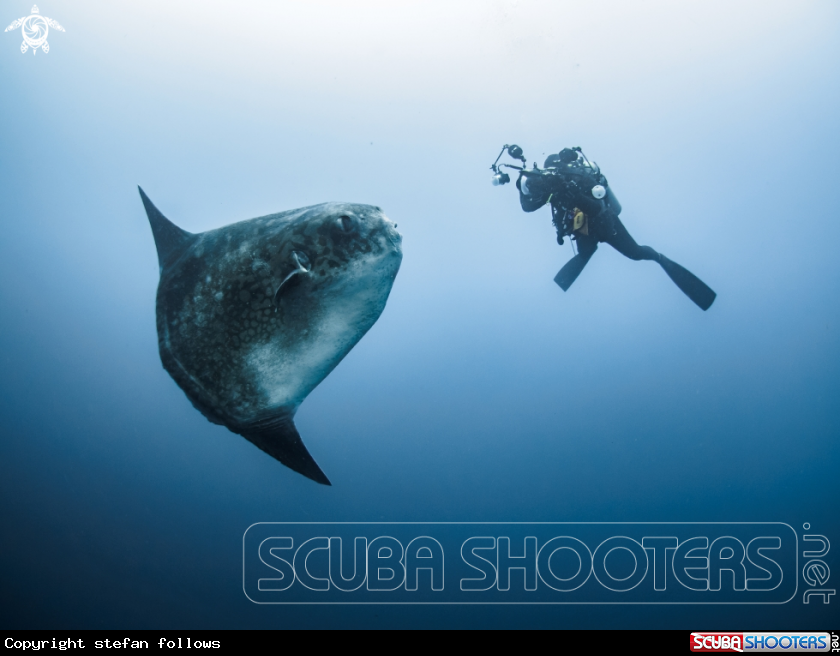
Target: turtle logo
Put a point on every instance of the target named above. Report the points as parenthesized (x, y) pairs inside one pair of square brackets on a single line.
[(35, 29)]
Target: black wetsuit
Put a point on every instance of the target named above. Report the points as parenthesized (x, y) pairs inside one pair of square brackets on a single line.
[(605, 227), (568, 188)]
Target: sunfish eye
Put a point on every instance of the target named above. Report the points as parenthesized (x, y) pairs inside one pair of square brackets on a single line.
[(346, 223)]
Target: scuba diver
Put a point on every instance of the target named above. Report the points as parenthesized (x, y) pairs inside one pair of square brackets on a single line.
[(584, 208)]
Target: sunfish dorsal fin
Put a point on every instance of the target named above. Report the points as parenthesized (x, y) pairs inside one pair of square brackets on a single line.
[(170, 240)]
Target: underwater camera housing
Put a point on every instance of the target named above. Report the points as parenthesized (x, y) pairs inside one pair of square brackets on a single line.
[(500, 177)]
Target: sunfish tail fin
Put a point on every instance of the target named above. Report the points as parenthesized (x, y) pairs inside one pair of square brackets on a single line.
[(279, 438), (170, 240), (691, 285)]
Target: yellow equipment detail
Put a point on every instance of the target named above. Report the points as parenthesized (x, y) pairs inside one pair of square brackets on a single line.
[(580, 221)]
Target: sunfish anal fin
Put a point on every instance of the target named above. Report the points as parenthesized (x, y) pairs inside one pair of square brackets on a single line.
[(279, 438)]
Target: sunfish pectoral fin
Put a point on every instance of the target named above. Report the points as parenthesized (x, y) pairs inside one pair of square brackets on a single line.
[(301, 265), (170, 240), (279, 438)]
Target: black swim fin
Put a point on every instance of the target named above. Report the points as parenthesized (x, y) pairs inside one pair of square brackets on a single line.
[(691, 285), (571, 270), (279, 438)]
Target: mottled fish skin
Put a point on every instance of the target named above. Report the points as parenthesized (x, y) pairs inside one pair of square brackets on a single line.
[(253, 316)]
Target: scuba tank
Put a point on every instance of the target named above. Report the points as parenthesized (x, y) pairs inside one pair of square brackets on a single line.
[(612, 201), (592, 201), (603, 189)]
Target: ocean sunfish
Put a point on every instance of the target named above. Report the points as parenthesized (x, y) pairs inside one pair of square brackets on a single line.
[(252, 316)]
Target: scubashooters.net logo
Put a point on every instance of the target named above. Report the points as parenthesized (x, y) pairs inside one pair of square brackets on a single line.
[(762, 642), (545, 563), (35, 29)]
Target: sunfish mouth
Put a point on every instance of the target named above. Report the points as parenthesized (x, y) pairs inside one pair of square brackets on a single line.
[(394, 237)]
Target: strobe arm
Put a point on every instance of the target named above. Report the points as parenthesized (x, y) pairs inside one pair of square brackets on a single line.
[(500, 177), (501, 152), (514, 151)]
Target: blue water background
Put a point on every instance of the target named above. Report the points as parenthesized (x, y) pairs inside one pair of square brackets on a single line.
[(483, 393)]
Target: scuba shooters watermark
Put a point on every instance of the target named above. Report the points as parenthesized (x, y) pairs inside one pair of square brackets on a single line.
[(526, 563)]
